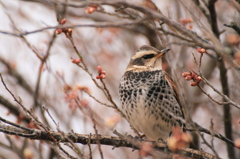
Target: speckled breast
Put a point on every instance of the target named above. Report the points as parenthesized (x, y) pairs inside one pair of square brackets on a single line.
[(149, 104)]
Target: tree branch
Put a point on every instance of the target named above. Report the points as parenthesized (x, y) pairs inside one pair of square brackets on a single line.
[(85, 139)]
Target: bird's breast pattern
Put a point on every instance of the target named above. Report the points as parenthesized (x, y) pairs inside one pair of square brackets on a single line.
[(150, 90)]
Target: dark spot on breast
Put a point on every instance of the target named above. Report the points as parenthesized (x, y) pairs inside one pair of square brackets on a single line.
[(161, 97), (150, 92), (158, 89), (125, 96), (132, 105), (155, 95), (161, 82), (163, 119), (135, 93), (149, 95), (144, 80), (163, 91)]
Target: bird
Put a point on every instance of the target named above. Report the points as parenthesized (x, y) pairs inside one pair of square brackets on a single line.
[(149, 97)]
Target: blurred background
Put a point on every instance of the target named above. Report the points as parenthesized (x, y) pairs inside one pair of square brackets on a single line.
[(38, 67)]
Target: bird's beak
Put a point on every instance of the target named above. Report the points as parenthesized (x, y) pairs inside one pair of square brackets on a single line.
[(162, 52)]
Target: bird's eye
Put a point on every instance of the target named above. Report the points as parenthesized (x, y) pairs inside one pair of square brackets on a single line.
[(148, 56)]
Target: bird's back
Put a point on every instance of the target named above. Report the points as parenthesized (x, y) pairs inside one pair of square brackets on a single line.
[(149, 103)]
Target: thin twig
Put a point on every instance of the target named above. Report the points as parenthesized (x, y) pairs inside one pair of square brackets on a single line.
[(208, 145), (210, 97), (28, 113), (229, 101), (89, 146), (73, 146), (98, 25), (96, 132), (110, 106)]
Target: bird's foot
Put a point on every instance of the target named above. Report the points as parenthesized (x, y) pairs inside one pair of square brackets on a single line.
[(161, 140), (166, 149)]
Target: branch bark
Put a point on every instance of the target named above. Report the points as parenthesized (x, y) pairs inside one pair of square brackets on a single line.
[(85, 139), (227, 118)]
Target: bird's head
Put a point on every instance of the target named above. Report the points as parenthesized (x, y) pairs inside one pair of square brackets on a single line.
[(146, 58)]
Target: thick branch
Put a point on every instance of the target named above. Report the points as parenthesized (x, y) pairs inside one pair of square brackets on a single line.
[(20, 79), (213, 17), (227, 118), (224, 81), (92, 139), (13, 109)]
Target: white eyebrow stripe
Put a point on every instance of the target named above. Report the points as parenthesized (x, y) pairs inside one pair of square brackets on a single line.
[(141, 53)]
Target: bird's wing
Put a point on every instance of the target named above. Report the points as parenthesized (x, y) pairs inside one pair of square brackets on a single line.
[(172, 83)]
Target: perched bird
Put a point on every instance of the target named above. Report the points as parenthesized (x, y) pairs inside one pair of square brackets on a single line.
[(148, 95)]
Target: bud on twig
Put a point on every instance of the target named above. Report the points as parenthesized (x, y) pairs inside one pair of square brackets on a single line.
[(63, 21), (78, 60), (201, 50), (185, 74), (192, 76), (58, 31), (69, 32), (193, 83), (90, 10), (101, 73), (99, 68), (188, 78)]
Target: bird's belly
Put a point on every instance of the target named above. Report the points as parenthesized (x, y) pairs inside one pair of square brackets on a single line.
[(146, 122)]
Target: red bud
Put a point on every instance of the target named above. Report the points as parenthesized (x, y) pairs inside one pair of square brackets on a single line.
[(188, 78), (193, 83), (99, 68), (58, 31), (103, 72), (63, 21), (102, 76), (98, 77), (185, 74)]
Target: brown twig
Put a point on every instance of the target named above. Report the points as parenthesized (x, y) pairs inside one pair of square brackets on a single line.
[(85, 68), (28, 112), (15, 74), (97, 135), (234, 26), (40, 70), (89, 147), (209, 146), (210, 97), (98, 25), (107, 105), (203, 10), (13, 109)]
